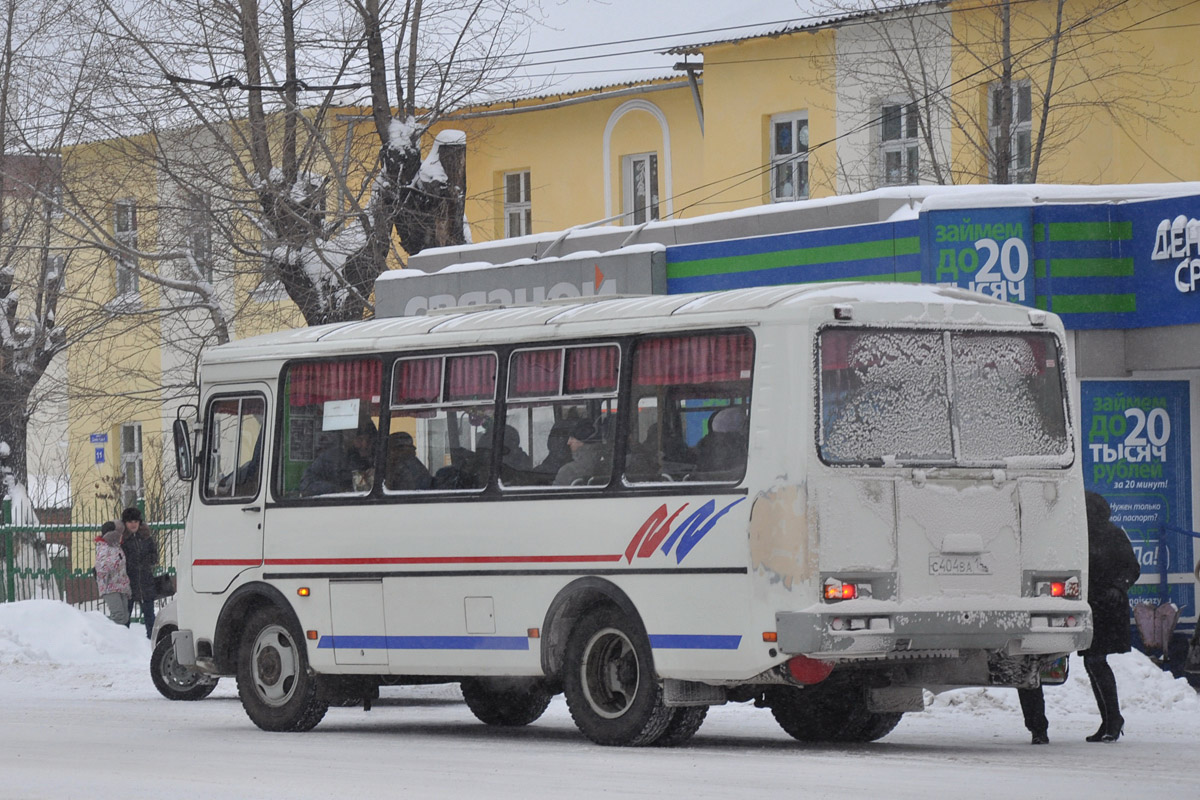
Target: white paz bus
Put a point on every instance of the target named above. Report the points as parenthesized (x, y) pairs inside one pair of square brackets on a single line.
[(821, 498)]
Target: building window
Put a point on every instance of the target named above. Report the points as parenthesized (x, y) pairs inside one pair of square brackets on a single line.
[(1019, 154), (518, 212), (125, 233), (899, 151), (199, 233), (789, 157), (640, 175), (132, 486)]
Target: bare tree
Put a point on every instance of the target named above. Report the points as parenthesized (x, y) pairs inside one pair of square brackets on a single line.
[(1013, 82), (318, 209)]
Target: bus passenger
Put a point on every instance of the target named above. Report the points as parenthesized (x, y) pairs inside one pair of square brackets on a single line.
[(336, 467), (511, 452), (589, 456), (723, 448), (405, 472), (558, 451)]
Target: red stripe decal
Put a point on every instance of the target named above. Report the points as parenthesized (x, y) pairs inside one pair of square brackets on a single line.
[(281, 562)]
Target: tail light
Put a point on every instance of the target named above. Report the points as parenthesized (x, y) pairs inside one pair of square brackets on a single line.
[(835, 590), (1066, 587)]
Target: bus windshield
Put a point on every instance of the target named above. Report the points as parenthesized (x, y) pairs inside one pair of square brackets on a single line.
[(942, 398)]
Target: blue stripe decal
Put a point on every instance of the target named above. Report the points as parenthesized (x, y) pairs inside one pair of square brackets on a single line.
[(425, 642), (680, 641), (662, 641)]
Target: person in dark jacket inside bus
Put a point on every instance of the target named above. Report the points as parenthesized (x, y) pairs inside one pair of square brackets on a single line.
[(346, 465)]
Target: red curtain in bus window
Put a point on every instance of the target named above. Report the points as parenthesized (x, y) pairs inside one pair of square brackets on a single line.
[(418, 381), (471, 377), (835, 349), (694, 359), (318, 382), (535, 373), (592, 369)]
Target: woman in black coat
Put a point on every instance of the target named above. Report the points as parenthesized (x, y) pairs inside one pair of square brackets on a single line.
[(141, 556), (1112, 569)]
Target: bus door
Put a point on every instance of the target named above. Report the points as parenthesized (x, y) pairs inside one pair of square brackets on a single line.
[(228, 525)]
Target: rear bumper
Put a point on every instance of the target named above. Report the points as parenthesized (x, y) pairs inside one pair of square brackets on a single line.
[(839, 634)]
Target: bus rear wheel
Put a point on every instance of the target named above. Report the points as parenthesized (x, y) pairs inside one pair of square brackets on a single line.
[(684, 723), (508, 702), (275, 685), (609, 682), (834, 711)]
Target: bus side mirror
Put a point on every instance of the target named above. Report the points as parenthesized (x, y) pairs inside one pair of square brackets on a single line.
[(185, 461)]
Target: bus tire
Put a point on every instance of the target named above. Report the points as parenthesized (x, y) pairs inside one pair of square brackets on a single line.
[(835, 711), (609, 682), (274, 683), (506, 702), (684, 723), (173, 681)]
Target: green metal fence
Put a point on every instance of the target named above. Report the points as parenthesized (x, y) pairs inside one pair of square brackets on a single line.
[(56, 561)]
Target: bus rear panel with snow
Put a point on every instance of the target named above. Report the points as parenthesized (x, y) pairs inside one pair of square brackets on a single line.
[(821, 498)]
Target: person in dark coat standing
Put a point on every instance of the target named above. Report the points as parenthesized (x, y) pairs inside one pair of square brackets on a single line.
[(141, 556), (1112, 569)]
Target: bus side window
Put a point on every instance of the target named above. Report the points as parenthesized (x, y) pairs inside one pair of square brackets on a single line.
[(233, 456), (561, 400), (329, 430), (444, 406), (693, 408)]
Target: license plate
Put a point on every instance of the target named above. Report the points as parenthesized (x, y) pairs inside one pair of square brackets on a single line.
[(958, 565)]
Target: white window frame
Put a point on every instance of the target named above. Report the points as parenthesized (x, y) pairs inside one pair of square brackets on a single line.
[(130, 492), (900, 147), (648, 163), (789, 166), (1020, 156), (518, 208), (125, 232)]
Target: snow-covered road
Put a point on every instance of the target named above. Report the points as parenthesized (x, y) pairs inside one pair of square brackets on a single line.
[(79, 718)]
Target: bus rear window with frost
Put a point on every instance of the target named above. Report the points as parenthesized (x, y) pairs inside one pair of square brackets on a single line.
[(883, 394), (893, 396), (1008, 397)]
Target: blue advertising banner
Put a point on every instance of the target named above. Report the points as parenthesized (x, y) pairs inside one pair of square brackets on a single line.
[(1137, 454), (1165, 248), (987, 250)]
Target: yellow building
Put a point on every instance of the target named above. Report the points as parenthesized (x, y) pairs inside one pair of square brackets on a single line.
[(923, 94)]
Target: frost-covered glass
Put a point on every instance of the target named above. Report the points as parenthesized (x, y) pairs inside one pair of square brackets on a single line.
[(886, 398), (1008, 397)]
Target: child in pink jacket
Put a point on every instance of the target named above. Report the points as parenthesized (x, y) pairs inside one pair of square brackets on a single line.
[(111, 577)]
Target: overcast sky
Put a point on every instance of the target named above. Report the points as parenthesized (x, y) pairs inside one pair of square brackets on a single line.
[(654, 25)]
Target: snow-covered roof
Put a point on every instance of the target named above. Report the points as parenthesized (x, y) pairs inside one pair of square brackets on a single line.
[(818, 21), (596, 315)]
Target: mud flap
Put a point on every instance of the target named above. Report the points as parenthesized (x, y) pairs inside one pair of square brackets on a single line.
[(895, 700)]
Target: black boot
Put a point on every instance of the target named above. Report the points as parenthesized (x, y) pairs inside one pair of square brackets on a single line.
[(1104, 687)]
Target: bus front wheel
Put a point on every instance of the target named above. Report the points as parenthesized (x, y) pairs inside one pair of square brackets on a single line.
[(609, 682), (507, 702), (274, 683)]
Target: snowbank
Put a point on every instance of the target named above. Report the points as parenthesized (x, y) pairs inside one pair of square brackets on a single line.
[(52, 632)]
